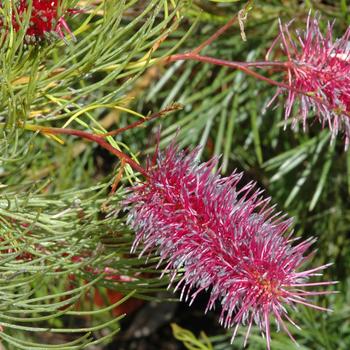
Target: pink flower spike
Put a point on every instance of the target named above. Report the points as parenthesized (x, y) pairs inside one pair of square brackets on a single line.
[(44, 19), (318, 73), (213, 234)]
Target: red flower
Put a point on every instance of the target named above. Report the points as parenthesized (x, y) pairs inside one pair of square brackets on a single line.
[(222, 240), (45, 18), (318, 75)]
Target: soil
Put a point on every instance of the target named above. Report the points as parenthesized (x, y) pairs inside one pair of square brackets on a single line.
[(149, 327)]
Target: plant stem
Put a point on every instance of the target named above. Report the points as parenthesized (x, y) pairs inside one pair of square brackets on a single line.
[(242, 66), (91, 137), (99, 138), (222, 30), (246, 68), (173, 107)]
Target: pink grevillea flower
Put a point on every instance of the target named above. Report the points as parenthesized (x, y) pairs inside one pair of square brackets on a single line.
[(221, 239), (318, 75), (45, 18)]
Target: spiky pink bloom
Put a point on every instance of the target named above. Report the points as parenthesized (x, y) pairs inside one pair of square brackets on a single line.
[(44, 19), (221, 239), (318, 75)]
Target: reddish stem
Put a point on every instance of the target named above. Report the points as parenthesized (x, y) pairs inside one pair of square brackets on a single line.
[(245, 67), (242, 66), (220, 31), (171, 108), (99, 140)]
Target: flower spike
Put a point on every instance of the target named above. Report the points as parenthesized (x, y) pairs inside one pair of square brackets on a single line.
[(221, 239), (44, 19), (318, 73)]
